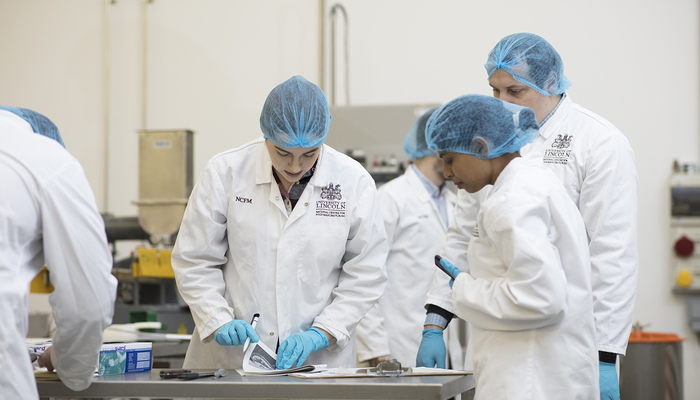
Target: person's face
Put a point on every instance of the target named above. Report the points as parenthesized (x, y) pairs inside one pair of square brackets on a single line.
[(506, 88), (439, 166), (291, 164), (467, 171)]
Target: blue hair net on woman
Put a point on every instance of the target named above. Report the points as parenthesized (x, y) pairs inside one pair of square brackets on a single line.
[(505, 127), (39, 123), (530, 60), (296, 114), (414, 143)]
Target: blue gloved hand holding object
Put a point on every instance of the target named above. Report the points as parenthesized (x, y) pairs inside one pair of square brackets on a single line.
[(235, 333), (431, 351), (451, 269), (300, 345), (609, 386)]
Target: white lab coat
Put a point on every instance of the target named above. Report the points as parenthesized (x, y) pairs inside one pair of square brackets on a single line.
[(596, 165), (528, 292), (415, 231), (48, 216), (238, 253)]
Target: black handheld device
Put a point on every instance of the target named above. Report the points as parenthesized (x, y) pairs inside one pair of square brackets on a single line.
[(437, 264)]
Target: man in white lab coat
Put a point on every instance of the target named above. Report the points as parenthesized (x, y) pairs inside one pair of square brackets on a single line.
[(48, 216), (596, 165), (285, 227), (416, 208)]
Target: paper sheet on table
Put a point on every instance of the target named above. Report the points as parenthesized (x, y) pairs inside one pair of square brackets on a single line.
[(260, 360), (363, 373)]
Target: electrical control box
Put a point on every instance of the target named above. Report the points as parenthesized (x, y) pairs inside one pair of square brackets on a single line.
[(685, 232)]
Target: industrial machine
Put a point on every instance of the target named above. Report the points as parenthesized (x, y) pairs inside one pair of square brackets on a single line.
[(373, 135), (147, 290)]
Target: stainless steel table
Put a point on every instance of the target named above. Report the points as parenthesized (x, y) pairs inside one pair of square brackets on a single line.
[(235, 386)]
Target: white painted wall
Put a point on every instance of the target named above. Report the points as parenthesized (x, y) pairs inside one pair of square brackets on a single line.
[(211, 63)]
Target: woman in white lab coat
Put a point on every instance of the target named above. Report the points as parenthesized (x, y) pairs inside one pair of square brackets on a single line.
[(527, 294), (285, 227)]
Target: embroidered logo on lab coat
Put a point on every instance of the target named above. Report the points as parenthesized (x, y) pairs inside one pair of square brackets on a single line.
[(244, 200), (330, 206), (560, 151)]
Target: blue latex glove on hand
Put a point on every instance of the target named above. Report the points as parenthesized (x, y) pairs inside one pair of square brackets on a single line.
[(609, 386), (300, 345), (235, 333), (451, 269), (431, 351)]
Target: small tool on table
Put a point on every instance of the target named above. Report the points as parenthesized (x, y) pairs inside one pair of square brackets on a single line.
[(187, 375)]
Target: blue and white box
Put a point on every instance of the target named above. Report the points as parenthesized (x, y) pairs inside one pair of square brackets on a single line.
[(120, 358)]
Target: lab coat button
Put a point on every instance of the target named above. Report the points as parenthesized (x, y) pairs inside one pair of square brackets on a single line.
[(306, 204), (277, 197), (272, 333)]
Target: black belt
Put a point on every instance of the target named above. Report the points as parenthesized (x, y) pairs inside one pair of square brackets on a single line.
[(609, 358)]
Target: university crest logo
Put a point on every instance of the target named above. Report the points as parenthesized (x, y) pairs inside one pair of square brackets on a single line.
[(562, 142), (330, 205), (331, 192)]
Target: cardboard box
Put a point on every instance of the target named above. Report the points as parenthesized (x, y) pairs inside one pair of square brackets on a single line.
[(115, 358)]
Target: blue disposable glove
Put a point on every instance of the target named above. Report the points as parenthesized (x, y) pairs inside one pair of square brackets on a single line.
[(609, 387), (300, 345), (431, 351), (451, 269), (235, 333)]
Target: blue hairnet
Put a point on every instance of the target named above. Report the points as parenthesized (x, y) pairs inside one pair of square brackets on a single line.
[(504, 126), (40, 124), (414, 143), (296, 114), (530, 60)]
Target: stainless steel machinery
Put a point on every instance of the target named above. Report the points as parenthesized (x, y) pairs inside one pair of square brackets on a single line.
[(147, 290)]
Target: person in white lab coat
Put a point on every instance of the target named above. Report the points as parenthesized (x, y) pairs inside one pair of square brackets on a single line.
[(48, 216), (595, 163), (286, 227), (416, 207), (527, 293)]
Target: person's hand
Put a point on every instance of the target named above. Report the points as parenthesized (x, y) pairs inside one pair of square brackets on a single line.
[(609, 386), (235, 333), (451, 269), (44, 359), (300, 345), (431, 351)]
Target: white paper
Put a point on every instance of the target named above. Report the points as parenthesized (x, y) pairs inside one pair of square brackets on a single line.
[(366, 373), (260, 360)]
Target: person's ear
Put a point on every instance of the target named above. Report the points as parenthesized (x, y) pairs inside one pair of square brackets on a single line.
[(479, 146), (551, 84)]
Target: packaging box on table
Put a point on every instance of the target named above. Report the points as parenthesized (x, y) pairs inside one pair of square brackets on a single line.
[(119, 358), (115, 358)]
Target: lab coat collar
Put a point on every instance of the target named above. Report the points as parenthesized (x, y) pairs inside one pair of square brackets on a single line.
[(531, 158), (263, 167), (557, 118), (10, 120), (417, 184)]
